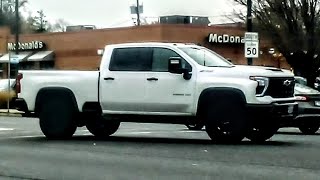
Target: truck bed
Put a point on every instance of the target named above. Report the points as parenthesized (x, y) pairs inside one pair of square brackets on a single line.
[(84, 84)]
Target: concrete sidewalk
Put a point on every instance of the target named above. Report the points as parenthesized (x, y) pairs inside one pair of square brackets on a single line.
[(12, 112)]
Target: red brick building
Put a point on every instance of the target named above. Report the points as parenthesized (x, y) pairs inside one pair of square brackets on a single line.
[(78, 50)]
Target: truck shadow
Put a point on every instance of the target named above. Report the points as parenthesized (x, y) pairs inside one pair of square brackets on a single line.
[(158, 140)]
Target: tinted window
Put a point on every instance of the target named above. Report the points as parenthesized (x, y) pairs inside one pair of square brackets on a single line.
[(131, 59), (206, 57), (160, 59)]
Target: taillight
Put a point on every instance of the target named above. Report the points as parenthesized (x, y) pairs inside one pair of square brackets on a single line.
[(302, 98), (18, 83)]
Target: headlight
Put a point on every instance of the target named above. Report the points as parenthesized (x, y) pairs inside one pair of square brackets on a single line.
[(263, 83)]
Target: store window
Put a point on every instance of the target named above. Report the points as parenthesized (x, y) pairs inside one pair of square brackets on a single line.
[(1, 70), (29, 65), (13, 71), (46, 64)]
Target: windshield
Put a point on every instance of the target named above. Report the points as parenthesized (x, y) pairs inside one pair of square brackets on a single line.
[(303, 89), (206, 57)]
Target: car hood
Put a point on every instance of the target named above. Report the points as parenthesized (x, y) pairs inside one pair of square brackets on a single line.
[(247, 71)]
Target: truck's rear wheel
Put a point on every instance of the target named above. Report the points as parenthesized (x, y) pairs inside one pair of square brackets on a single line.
[(226, 120), (57, 117), (102, 128)]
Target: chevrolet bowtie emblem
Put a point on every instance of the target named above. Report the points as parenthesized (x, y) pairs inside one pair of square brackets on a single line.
[(287, 82)]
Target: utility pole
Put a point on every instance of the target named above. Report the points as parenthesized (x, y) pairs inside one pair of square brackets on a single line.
[(249, 23), (17, 34), (138, 13), (17, 27)]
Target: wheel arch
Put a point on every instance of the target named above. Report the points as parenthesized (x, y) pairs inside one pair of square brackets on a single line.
[(208, 94), (42, 93)]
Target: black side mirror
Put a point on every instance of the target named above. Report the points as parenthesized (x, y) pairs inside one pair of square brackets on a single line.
[(176, 67)]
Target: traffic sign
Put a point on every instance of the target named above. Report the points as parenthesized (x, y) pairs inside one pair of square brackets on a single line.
[(251, 46)]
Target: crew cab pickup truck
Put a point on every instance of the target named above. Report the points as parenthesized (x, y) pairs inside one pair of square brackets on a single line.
[(172, 83)]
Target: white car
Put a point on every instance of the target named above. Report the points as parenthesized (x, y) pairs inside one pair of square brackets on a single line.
[(171, 83)]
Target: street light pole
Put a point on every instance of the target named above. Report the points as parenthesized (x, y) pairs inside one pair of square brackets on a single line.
[(17, 26), (17, 33), (249, 23), (138, 13)]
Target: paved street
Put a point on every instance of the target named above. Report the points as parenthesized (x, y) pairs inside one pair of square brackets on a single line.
[(152, 151)]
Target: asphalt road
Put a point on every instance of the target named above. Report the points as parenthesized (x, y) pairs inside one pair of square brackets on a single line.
[(152, 151)]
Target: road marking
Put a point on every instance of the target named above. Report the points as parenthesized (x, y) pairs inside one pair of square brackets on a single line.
[(6, 129)]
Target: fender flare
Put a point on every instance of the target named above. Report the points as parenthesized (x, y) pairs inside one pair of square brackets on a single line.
[(54, 91), (208, 94)]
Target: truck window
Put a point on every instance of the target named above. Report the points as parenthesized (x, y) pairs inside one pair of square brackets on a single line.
[(131, 59), (160, 59)]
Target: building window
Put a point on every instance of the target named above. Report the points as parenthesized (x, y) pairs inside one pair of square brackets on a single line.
[(27, 65), (13, 70), (46, 64), (1, 70)]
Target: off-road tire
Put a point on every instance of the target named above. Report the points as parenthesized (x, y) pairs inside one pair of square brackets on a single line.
[(263, 132), (226, 118), (57, 116), (309, 129), (102, 128)]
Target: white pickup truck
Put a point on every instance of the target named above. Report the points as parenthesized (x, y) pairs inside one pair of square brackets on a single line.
[(172, 83)]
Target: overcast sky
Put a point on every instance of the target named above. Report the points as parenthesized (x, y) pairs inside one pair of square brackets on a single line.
[(110, 13)]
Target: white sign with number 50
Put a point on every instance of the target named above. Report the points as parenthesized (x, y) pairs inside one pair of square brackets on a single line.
[(252, 50), (251, 46)]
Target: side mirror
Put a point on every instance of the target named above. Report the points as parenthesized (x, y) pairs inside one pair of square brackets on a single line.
[(176, 67)]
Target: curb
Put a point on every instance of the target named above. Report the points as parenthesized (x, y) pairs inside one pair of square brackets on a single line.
[(10, 114)]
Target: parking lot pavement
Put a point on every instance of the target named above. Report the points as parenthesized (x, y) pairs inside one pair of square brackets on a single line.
[(152, 151)]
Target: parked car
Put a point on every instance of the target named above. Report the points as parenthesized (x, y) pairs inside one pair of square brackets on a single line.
[(6, 94), (308, 117), (170, 83)]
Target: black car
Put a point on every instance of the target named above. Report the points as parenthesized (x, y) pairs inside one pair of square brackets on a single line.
[(308, 117)]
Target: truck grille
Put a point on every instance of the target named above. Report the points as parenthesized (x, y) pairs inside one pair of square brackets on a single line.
[(280, 87)]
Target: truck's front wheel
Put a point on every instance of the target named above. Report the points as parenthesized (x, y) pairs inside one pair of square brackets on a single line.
[(102, 128), (226, 120), (309, 129), (264, 131), (57, 117)]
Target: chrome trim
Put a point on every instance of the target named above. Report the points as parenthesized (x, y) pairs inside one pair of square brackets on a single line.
[(285, 104), (307, 115)]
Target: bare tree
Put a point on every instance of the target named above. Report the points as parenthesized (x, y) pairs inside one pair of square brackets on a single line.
[(59, 26), (294, 28)]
